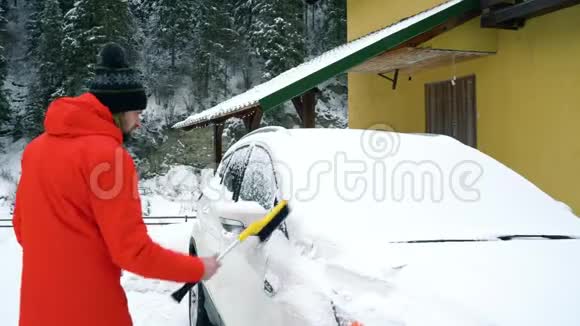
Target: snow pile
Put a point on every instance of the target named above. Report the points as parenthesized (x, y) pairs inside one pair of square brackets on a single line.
[(10, 155), (174, 193), (171, 194)]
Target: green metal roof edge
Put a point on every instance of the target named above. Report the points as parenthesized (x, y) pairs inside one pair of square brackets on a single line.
[(301, 86)]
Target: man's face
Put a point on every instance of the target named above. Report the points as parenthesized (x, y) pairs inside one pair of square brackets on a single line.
[(131, 121)]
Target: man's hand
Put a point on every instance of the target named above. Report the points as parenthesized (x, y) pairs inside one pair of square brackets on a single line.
[(211, 266)]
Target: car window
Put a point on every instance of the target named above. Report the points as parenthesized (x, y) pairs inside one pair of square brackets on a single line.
[(235, 170), (223, 166), (259, 183)]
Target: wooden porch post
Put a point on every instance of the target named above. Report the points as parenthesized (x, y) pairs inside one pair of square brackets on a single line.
[(309, 113), (253, 122), (306, 108), (218, 130)]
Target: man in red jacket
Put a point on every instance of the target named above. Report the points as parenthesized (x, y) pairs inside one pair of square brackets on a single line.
[(78, 213)]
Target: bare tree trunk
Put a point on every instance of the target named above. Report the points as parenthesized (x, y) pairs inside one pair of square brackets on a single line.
[(173, 57), (225, 80)]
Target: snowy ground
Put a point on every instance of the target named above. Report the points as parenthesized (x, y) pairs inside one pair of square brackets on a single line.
[(149, 300), (10, 154), (172, 194)]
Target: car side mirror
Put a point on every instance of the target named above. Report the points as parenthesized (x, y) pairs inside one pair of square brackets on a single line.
[(244, 212), (232, 226)]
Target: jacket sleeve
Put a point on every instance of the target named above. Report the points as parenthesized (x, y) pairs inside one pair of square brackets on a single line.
[(116, 206)]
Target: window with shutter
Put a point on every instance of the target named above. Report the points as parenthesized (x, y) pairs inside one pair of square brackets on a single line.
[(451, 110)]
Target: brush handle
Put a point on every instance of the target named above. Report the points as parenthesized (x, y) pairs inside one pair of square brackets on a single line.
[(228, 249), (253, 229), (182, 292)]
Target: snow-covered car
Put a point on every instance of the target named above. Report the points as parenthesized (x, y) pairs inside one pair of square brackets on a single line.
[(385, 229)]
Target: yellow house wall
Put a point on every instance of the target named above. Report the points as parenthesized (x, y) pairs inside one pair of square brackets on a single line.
[(365, 16), (466, 37), (528, 96)]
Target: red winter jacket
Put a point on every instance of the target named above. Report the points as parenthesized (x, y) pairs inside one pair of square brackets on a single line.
[(78, 219)]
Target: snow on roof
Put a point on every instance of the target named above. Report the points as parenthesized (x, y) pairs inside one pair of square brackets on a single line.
[(252, 97)]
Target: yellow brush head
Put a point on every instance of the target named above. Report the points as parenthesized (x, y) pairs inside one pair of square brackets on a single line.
[(265, 226)]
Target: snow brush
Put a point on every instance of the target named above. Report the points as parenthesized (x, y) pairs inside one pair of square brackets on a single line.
[(262, 228)]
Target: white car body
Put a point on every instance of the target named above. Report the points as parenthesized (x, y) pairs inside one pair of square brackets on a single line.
[(389, 229)]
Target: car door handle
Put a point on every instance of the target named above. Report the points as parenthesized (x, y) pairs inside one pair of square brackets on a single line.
[(232, 226), (271, 282), (269, 289)]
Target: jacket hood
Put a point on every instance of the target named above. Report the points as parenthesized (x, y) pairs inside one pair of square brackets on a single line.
[(80, 116)]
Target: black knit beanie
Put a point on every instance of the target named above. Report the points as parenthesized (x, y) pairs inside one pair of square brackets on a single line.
[(116, 85)]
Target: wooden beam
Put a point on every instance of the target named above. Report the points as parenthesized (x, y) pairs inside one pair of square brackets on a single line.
[(513, 17), (393, 80), (309, 107), (253, 121), (439, 29), (305, 106), (237, 114), (218, 130), (297, 101), (494, 4), (533, 8), (408, 60)]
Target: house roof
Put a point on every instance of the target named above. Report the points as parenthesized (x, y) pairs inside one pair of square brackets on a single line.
[(308, 75)]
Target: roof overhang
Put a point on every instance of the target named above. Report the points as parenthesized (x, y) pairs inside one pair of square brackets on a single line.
[(411, 60), (241, 113), (402, 38)]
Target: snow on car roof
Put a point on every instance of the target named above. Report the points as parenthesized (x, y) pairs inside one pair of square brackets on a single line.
[(432, 186)]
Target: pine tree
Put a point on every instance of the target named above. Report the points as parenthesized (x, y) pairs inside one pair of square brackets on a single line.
[(89, 25), (4, 6), (66, 5), (278, 35), (49, 75), (33, 27), (169, 26), (4, 104), (216, 49), (174, 30), (243, 20), (203, 55), (334, 26), (142, 10), (224, 43)]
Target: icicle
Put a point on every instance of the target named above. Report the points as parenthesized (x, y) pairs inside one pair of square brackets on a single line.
[(454, 79)]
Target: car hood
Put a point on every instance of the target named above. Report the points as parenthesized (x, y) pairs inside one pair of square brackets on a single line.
[(377, 223), (517, 282)]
